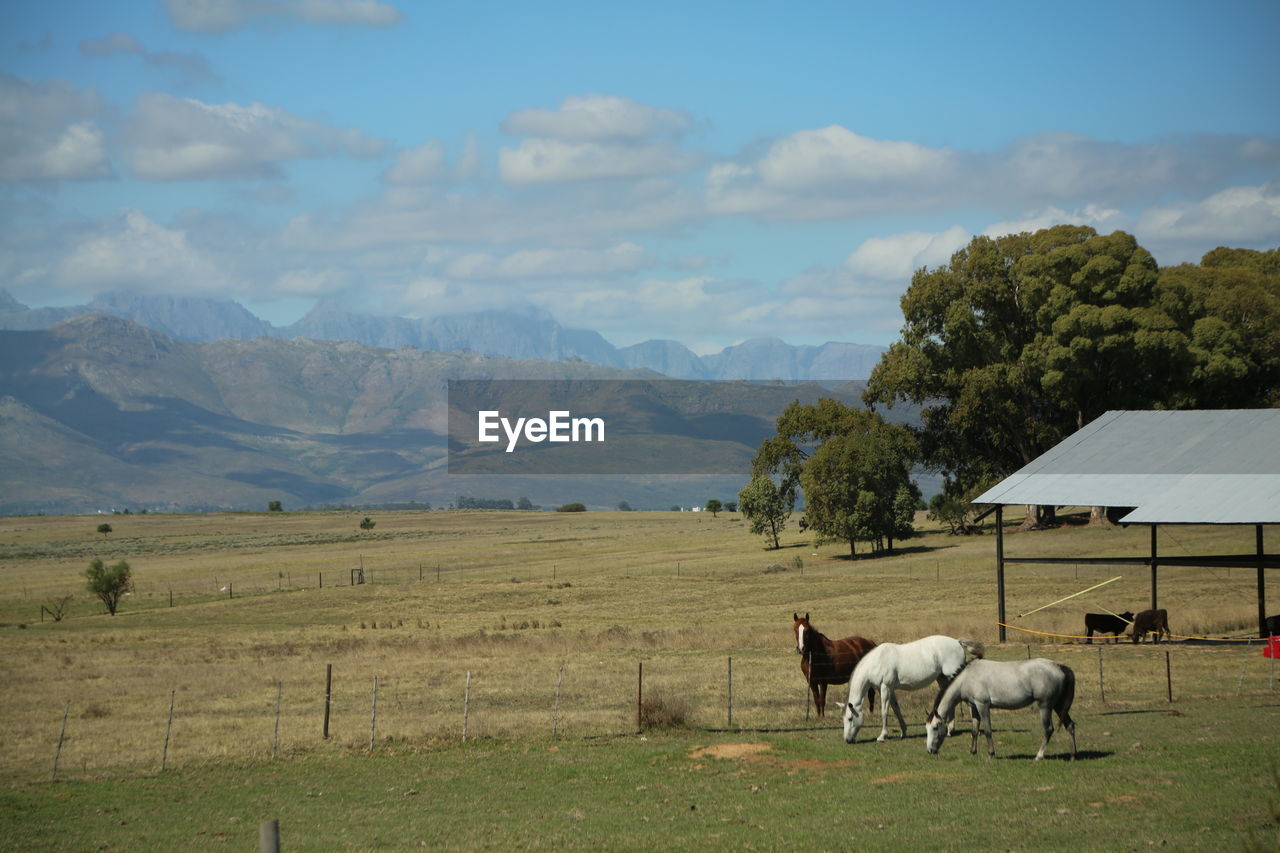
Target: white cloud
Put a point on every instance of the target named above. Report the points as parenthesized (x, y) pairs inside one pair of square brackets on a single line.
[(818, 158), (50, 132), (220, 16), (133, 252), (419, 165), (184, 138), (550, 263), (555, 160), (191, 65), (598, 118), (1241, 217), (898, 256)]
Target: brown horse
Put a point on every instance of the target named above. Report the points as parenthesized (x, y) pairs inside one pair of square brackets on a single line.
[(825, 661)]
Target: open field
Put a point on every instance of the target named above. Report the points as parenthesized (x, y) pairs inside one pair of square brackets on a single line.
[(553, 615)]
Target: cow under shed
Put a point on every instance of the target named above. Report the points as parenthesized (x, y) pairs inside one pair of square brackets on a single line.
[(1155, 622), (1107, 623)]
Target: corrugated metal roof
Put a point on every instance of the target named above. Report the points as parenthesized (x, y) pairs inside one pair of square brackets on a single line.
[(1203, 467)]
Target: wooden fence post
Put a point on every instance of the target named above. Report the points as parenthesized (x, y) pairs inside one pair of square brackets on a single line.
[(275, 737), (466, 706), (730, 692), (328, 696), (373, 715), (1168, 675), (57, 753), (164, 756), (555, 714), (269, 836), (640, 697), (1102, 690)]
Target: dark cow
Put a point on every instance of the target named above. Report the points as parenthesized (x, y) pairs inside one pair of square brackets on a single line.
[(1149, 621), (1105, 623), (1272, 626)]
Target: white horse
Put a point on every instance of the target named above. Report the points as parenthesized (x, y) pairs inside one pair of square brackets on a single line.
[(906, 666), (986, 684)]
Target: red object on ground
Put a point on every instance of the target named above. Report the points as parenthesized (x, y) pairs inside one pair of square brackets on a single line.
[(1272, 648)]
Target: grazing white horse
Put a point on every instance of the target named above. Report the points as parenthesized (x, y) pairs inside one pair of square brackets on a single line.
[(986, 684), (905, 666)]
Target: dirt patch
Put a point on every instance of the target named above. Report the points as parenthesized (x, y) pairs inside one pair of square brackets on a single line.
[(730, 750)]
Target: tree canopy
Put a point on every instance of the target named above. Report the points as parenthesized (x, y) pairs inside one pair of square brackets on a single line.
[(1020, 340), (853, 467)]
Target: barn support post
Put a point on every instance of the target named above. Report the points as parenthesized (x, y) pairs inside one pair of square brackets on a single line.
[(1153, 567), (1262, 582), (1000, 567)]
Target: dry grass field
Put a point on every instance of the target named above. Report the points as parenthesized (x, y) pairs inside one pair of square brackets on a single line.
[(551, 614)]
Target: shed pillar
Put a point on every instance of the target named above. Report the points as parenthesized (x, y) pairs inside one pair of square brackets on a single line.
[(1153, 567), (1000, 567), (1262, 583)]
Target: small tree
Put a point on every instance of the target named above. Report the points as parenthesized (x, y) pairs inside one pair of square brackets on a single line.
[(104, 528), (109, 583), (730, 506), (367, 524), (714, 506), (765, 506), (275, 506), (571, 507), (525, 503), (623, 506), (57, 608)]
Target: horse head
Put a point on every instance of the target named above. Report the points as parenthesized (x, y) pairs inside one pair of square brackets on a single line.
[(852, 719), (803, 630), (935, 730)]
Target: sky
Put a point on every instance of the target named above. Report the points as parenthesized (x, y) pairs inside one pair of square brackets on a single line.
[(702, 172)]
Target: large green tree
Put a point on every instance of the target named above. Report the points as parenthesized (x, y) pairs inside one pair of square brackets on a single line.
[(765, 506), (853, 468), (1020, 340)]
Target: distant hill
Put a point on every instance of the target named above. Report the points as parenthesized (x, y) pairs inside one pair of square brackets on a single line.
[(98, 412), (520, 333)]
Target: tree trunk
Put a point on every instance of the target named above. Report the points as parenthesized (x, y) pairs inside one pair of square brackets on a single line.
[(1098, 515)]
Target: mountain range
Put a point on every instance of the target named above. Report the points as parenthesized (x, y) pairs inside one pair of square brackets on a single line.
[(519, 333), (98, 412)]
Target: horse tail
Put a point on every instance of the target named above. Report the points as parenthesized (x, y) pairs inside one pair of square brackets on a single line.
[(1068, 694), (973, 647)]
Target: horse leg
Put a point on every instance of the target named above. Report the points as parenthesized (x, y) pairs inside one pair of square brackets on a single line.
[(822, 702), (1065, 721), (973, 742), (902, 724), (985, 711), (943, 681), (886, 696), (1046, 727)]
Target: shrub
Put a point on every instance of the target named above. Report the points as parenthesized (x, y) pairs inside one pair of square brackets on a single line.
[(660, 711), (109, 583), (574, 507)]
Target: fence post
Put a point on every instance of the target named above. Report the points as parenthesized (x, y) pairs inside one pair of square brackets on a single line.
[(1168, 675), (269, 836), (373, 715), (639, 697), (275, 737), (466, 706), (1102, 690), (61, 737), (328, 695), (164, 756), (555, 714), (730, 692)]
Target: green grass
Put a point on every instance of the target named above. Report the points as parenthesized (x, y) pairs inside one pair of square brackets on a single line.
[(1181, 778)]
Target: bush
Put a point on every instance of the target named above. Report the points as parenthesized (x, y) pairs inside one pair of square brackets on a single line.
[(659, 711), (574, 507), (109, 583)]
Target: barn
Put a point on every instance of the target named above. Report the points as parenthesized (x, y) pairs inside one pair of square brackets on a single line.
[(1163, 468)]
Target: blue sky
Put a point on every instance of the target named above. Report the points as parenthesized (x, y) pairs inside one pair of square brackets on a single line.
[(704, 172)]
